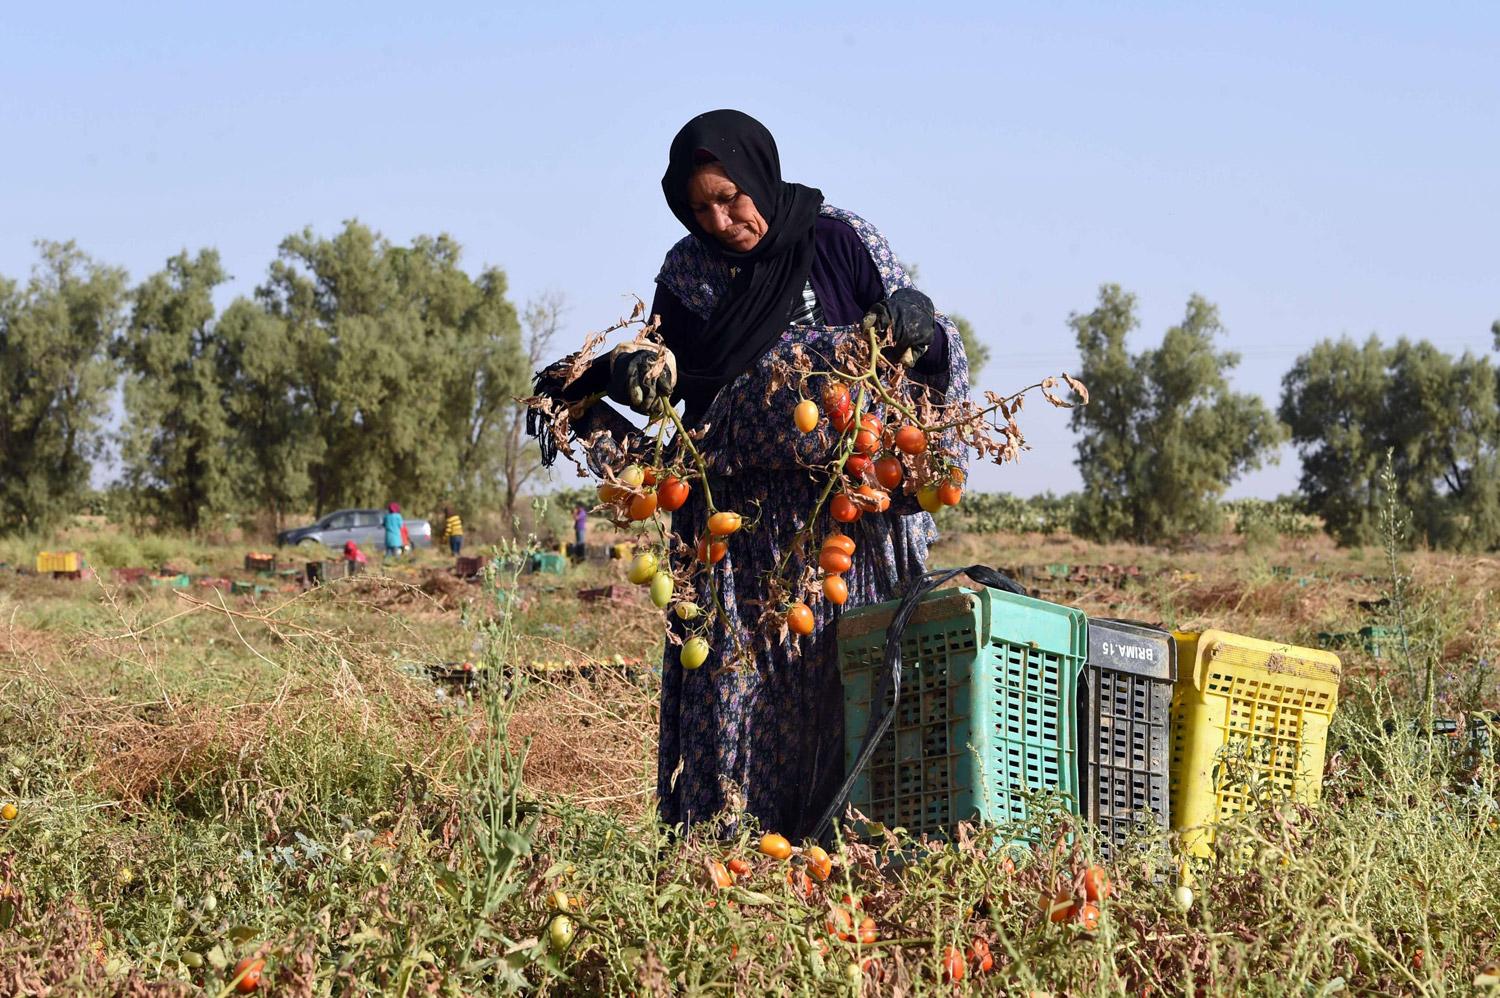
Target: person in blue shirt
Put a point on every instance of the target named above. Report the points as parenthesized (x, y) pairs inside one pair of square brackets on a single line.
[(392, 523)]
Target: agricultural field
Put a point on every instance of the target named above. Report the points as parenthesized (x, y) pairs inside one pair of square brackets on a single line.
[(406, 783)]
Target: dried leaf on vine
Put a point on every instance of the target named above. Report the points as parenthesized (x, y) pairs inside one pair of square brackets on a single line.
[(1077, 386)]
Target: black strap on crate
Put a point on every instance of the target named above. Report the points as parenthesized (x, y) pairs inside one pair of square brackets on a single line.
[(890, 672)]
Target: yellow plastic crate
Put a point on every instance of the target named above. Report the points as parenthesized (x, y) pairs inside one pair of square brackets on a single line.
[(59, 561), (1249, 719)]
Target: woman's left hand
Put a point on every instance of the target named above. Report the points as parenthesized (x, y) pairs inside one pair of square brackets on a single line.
[(907, 317)]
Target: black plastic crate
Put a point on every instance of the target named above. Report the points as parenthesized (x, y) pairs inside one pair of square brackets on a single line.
[(1124, 727)]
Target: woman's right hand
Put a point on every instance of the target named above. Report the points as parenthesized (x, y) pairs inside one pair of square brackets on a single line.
[(640, 375)]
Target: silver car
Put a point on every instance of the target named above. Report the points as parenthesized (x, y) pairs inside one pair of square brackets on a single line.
[(364, 527)]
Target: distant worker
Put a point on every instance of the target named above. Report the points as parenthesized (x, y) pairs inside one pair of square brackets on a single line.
[(453, 529), (354, 559), (394, 527), (580, 525)]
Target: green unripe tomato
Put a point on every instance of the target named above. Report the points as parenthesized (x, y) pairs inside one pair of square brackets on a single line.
[(694, 653), (643, 569), (661, 589), (560, 932)]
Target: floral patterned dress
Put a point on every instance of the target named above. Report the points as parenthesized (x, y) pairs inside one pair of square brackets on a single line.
[(769, 740)]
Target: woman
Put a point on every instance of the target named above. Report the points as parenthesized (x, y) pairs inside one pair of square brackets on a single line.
[(767, 274), (394, 525)]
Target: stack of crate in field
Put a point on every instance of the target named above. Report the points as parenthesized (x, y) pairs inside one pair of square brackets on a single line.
[(1136, 728)]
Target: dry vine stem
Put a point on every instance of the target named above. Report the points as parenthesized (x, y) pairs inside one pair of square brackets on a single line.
[(926, 446)]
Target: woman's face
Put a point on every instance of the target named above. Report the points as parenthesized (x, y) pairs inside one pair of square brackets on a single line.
[(723, 210)]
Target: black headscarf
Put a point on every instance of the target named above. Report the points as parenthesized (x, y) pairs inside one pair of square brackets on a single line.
[(767, 280)]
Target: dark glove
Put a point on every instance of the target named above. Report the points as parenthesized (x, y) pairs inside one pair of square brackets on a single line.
[(631, 382), (907, 318)]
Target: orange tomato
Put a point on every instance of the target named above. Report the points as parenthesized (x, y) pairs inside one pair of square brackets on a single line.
[(834, 560), (879, 497), (1095, 882), (610, 493), (672, 494), (806, 415), (841, 924), (723, 524), (800, 619), (840, 542), (1088, 916), (867, 934), (843, 509), (953, 965), (836, 590), (648, 476), (800, 883), (643, 506), (910, 440), (949, 494), (888, 471), (819, 863), (739, 867), (775, 846), (980, 955), (720, 876), (247, 974), (1058, 908), (711, 554)]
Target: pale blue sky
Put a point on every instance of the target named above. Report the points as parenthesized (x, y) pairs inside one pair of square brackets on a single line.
[(1313, 169)]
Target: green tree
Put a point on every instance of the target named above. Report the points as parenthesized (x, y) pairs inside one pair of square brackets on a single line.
[(1163, 435), (1333, 401), (398, 363), (55, 379), (1435, 414), (175, 441)]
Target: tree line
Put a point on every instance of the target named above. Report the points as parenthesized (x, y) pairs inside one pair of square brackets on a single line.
[(360, 371), (1164, 434), (357, 372)]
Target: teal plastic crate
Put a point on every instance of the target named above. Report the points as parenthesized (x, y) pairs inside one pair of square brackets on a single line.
[(547, 563), (987, 713)]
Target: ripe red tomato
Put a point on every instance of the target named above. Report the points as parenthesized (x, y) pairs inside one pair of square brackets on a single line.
[(842, 417), (672, 494), (834, 560), (835, 395), (980, 956), (888, 471), (949, 494), (856, 465), (953, 965), (739, 867), (648, 476), (1095, 882), (836, 589), (910, 440), (806, 415), (867, 439), (843, 509), (800, 619), (840, 542), (711, 554), (643, 506), (248, 972), (1088, 916)]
